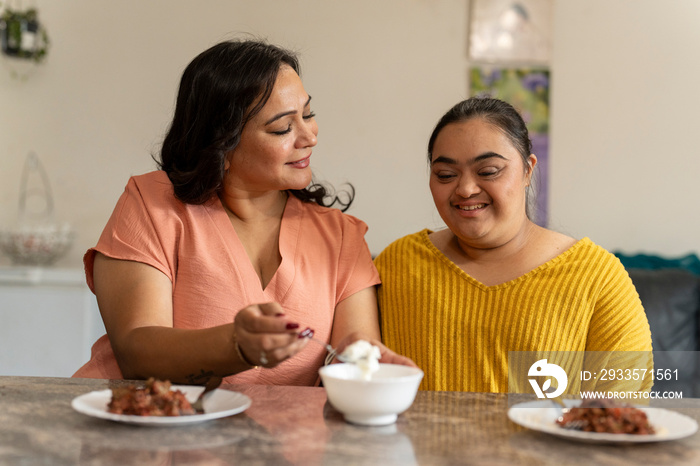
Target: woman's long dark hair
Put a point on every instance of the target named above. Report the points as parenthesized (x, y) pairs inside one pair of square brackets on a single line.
[(220, 91)]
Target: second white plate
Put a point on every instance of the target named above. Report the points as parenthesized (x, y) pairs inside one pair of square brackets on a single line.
[(540, 416), (220, 403)]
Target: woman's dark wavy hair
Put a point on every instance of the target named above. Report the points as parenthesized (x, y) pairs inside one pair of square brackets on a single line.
[(220, 91), (496, 112)]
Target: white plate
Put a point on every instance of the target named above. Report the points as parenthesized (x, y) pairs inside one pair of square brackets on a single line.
[(220, 403), (540, 416)]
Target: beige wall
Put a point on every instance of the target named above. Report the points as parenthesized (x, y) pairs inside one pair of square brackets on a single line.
[(623, 159), (625, 124)]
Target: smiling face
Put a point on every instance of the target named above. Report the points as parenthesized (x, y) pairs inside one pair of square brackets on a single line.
[(275, 147), (479, 181)]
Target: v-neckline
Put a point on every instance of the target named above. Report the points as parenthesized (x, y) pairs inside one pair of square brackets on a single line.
[(240, 262), (425, 237)]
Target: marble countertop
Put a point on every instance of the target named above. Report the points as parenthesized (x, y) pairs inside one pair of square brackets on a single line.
[(295, 425)]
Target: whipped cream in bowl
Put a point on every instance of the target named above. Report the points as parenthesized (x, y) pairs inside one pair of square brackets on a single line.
[(364, 355)]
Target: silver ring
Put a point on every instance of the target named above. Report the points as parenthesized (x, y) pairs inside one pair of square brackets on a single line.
[(263, 358)]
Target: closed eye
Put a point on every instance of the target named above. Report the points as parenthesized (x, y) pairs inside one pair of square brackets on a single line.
[(444, 176), (285, 131), (308, 116), (489, 172)]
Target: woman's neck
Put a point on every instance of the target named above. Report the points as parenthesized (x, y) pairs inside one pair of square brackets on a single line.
[(498, 252), (248, 208)]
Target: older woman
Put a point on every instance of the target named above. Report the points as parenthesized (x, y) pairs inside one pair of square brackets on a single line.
[(215, 264), (458, 300)]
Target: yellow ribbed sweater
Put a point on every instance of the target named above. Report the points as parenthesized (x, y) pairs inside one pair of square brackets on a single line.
[(460, 331)]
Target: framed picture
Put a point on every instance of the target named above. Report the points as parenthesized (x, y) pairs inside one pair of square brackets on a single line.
[(510, 31), (526, 89)]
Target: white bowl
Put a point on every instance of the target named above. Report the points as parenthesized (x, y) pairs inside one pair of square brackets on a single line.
[(374, 402)]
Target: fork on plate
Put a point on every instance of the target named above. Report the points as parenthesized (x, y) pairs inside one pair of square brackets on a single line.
[(577, 424), (211, 385)]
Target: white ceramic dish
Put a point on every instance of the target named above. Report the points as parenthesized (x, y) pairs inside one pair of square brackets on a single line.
[(221, 403), (374, 402), (541, 416)]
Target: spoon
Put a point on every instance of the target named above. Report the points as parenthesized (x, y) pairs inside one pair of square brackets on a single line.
[(332, 352), (211, 385)]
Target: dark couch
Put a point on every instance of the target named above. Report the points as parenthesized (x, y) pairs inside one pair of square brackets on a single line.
[(671, 299)]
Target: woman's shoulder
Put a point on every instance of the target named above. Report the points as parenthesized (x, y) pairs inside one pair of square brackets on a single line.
[(155, 183), (326, 215), (587, 253), (407, 246), (586, 247), (152, 195), (152, 177)]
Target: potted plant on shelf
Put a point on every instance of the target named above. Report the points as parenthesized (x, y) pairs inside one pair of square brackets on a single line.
[(22, 35)]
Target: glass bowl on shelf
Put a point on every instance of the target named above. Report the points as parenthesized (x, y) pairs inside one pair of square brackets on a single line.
[(36, 245)]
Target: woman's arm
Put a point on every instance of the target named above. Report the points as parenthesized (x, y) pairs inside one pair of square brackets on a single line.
[(356, 314), (357, 318), (135, 301)]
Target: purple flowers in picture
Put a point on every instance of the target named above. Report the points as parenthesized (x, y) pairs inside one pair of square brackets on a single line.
[(526, 89)]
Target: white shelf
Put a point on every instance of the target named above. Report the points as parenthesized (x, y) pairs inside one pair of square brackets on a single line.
[(23, 275), (50, 320)]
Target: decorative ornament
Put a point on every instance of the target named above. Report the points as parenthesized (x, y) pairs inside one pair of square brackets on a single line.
[(23, 38), (37, 239)]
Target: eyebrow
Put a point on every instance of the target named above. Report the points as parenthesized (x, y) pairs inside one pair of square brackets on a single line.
[(283, 114), (479, 158)]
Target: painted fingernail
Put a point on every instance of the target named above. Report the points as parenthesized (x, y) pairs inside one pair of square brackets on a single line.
[(306, 333), (291, 325)]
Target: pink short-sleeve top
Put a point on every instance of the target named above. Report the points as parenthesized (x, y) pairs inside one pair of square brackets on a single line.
[(325, 259)]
